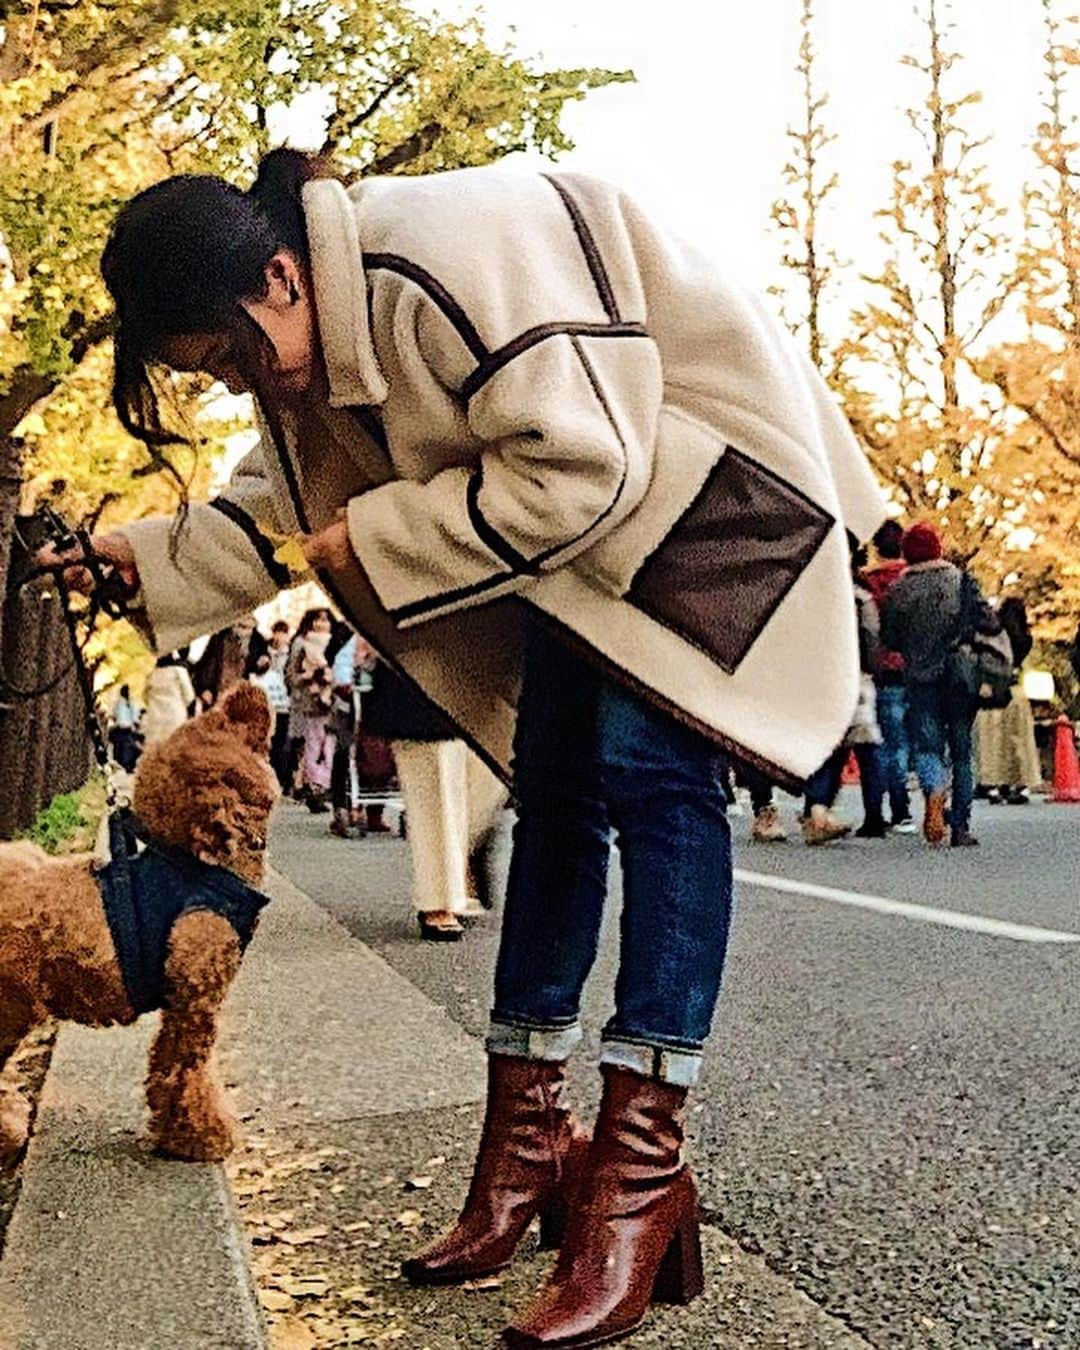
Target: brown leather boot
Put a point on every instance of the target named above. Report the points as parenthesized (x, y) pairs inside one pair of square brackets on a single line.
[(934, 819), (633, 1235), (530, 1160)]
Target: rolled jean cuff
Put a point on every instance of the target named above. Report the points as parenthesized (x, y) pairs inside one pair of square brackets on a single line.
[(662, 1063), (528, 1041)]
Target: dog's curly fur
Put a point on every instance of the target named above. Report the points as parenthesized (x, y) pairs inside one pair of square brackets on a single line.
[(209, 791)]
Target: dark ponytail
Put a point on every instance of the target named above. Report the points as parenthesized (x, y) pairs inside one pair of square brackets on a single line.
[(180, 258), (277, 188)]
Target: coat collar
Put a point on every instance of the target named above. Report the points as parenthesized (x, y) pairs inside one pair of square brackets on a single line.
[(931, 565), (341, 296)]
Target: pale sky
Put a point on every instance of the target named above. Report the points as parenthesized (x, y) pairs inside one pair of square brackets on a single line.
[(700, 138)]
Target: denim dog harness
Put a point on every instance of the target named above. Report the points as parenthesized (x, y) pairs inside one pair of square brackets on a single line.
[(145, 893)]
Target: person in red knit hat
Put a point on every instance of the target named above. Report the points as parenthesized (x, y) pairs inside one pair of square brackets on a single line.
[(924, 617)]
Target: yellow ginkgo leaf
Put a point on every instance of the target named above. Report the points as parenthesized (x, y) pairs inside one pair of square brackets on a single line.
[(291, 555)]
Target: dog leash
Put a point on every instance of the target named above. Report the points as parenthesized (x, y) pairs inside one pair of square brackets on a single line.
[(109, 596)]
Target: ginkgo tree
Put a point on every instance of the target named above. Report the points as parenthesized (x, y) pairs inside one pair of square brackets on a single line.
[(1038, 373), (98, 100)]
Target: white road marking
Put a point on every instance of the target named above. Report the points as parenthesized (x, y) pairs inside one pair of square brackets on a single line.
[(946, 918)]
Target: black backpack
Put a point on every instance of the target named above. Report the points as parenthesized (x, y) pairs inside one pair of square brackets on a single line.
[(980, 664)]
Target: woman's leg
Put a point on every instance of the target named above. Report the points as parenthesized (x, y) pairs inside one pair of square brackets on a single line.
[(559, 864), (279, 750), (927, 720), (485, 797), (663, 790), (961, 720), (892, 718), (432, 776), (633, 1233), (318, 754), (532, 1150), (339, 788), (872, 784), (926, 726), (820, 826)]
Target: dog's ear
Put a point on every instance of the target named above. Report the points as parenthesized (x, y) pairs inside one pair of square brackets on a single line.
[(247, 708)]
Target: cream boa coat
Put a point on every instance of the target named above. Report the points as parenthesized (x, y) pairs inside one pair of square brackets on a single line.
[(536, 396)]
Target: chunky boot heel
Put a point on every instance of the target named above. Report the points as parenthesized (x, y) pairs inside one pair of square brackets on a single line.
[(681, 1277), (633, 1235)]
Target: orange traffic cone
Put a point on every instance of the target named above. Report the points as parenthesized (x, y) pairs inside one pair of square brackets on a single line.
[(1066, 769)]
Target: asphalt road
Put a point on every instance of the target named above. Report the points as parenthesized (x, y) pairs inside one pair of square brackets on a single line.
[(890, 1112)]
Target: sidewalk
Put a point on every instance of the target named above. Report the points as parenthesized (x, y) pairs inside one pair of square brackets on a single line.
[(374, 1187), (362, 1102)]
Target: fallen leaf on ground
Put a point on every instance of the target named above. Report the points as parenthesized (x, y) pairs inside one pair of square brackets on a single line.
[(275, 1300), (291, 1334), (410, 1218), (304, 1286), (482, 1286), (300, 1237)]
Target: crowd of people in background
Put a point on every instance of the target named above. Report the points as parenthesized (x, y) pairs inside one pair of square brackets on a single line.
[(350, 733), (940, 697)]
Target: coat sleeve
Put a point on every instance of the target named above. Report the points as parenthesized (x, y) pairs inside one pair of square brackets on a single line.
[(200, 574), (567, 428)]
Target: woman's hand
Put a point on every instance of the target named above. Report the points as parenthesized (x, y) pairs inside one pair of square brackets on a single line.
[(329, 548), (114, 549)]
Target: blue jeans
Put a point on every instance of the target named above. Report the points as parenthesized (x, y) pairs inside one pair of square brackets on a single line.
[(591, 757), (940, 722), (823, 785), (896, 749)]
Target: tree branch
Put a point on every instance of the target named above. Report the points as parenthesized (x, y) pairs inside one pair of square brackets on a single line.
[(28, 386), (339, 127), (419, 143), (119, 43)]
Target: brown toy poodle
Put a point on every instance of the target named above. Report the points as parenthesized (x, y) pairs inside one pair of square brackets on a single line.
[(101, 944)]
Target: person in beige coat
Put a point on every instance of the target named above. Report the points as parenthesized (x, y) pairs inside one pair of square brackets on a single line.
[(169, 695), (585, 492)]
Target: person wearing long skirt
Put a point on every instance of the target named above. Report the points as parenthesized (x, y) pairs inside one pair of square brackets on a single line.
[(1006, 754), (451, 799), (170, 698)]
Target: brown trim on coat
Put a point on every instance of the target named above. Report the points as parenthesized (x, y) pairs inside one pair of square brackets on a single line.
[(393, 262), (288, 468), (783, 778), (501, 547), (372, 423), (503, 356), (593, 256), (416, 608), (263, 546), (745, 521), (328, 584)]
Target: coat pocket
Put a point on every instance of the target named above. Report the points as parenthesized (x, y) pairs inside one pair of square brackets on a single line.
[(730, 560)]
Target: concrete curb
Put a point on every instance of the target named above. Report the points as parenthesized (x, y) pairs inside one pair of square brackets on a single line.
[(110, 1248), (321, 1028)]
